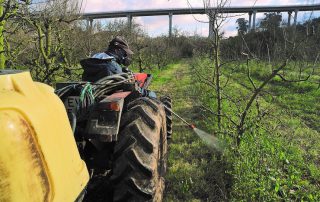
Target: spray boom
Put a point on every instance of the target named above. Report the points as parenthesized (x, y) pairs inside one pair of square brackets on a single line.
[(210, 140), (192, 126)]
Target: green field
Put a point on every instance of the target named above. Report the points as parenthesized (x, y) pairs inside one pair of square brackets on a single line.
[(278, 159)]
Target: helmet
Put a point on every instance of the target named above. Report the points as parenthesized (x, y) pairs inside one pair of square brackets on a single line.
[(120, 49), (118, 42)]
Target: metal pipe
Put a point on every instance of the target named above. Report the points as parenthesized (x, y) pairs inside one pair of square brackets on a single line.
[(73, 120)]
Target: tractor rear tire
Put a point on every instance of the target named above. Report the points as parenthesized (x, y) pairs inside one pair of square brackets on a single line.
[(140, 153), (166, 100)]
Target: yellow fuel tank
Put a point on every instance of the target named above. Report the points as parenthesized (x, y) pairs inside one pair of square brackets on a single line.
[(39, 159)]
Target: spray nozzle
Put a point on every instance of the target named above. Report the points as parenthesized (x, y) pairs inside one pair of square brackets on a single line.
[(192, 126), (210, 140)]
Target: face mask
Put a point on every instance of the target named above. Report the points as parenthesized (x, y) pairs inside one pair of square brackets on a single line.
[(124, 59)]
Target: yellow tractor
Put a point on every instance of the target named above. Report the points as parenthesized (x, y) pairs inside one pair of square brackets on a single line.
[(84, 141)]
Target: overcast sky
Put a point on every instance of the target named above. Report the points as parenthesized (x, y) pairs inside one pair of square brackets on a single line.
[(158, 25)]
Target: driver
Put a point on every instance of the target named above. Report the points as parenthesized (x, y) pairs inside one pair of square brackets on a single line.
[(114, 60)]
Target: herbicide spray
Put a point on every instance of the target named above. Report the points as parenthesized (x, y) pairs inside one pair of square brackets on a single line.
[(209, 139)]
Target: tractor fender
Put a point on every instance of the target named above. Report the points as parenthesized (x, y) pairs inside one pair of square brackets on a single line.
[(104, 119)]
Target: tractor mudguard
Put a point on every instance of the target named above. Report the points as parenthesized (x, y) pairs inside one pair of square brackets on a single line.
[(140, 78), (143, 79), (104, 119)]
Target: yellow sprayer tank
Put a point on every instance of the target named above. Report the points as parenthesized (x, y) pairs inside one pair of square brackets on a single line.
[(39, 159)]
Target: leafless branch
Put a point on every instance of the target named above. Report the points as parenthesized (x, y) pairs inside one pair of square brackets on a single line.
[(223, 115)]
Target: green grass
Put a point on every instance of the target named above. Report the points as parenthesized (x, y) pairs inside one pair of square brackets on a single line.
[(278, 158), (191, 162)]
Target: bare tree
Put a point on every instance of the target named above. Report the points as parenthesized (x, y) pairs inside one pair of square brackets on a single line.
[(50, 20), (245, 110), (8, 9), (217, 18)]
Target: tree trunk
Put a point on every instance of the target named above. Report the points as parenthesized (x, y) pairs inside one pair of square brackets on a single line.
[(217, 68), (140, 63), (2, 54)]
